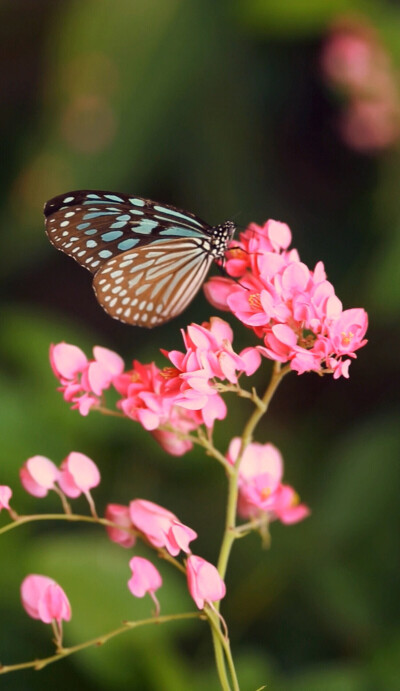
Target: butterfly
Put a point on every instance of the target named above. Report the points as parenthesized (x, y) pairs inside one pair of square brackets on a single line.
[(148, 259)]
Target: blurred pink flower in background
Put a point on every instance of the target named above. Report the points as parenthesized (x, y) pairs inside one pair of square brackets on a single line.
[(119, 514), (356, 64)]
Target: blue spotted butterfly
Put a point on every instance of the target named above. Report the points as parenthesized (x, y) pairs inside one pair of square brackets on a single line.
[(148, 259)]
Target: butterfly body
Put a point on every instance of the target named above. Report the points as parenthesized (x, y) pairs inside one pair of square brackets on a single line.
[(148, 259)]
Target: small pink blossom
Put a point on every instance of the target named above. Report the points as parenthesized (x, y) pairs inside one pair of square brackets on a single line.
[(260, 484), (78, 474), (145, 579), (119, 514), (160, 527), (42, 598), (5, 496), (38, 475), (204, 582)]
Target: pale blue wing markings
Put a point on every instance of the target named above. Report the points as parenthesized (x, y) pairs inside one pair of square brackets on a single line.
[(113, 198), (118, 224), (97, 214), (145, 226), (127, 244), (112, 235), (176, 231), (124, 217), (82, 226), (91, 244), (92, 231), (136, 211), (105, 254), (175, 220), (137, 201), (91, 195), (68, 199), (172, 212), (97, 201)]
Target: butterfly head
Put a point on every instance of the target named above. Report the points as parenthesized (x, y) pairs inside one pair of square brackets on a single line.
[(221, 237)]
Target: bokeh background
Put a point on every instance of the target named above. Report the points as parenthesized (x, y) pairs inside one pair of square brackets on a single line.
[(238, 110)]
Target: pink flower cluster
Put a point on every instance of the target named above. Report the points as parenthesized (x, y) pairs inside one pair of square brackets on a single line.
[(83, 381), (168, 402), (162, 530), (260, 484), (293, 309), (354, 62)]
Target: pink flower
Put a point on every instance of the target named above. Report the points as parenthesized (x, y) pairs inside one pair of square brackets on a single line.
[(287, 507), (209, 357), (204, 582), (38, 475), (145, 579), (78, 473), (116, 513), (83, 381), (160, 527), (5, 496), (347, 332), (42, 598), (260, 484), (293, 309)]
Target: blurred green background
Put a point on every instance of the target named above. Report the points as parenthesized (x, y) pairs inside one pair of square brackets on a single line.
[(220, 108)]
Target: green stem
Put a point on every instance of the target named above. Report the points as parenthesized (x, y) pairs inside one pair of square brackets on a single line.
[(219, 658), (100, 640), (221, 643), (247, 435)]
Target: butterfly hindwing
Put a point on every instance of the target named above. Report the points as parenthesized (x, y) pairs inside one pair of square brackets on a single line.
[(154, 283)]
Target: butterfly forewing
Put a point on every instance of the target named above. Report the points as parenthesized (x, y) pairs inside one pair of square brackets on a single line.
[(149, 259)]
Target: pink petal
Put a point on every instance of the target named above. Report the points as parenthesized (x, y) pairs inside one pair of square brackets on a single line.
[(5, 496), (67, 360), (78, 474), (145, 577), (204, 582), (38, 475), (109, 360)]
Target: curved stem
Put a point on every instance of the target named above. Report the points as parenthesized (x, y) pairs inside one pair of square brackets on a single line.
[(100, 640)]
